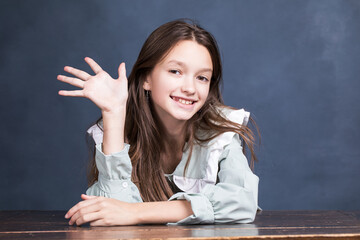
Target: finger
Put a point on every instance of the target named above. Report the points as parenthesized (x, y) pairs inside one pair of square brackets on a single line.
[(72, 93), (94, 66), (77, 73), (122, 71), (87, 197), (85, 214), (70, 80), (90, 217), (80, 205)]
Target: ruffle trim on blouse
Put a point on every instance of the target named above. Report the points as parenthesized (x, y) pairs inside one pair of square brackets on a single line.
[(216, 148), (96, 133)]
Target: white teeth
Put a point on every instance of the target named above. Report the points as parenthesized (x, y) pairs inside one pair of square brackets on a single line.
[(184, 101)]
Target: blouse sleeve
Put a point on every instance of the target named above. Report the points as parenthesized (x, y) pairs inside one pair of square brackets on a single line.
[(233, 199), (114, 180)]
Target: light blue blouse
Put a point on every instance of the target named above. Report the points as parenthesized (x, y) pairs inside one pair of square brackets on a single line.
[(219, 183)]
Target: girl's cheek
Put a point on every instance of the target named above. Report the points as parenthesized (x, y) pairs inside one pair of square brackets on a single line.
[(204, 91)]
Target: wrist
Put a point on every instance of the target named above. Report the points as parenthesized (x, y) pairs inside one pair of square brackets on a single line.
[(144, 213), (162, 212), (140, 217), (114, 112), (114, 118), (113, 128)]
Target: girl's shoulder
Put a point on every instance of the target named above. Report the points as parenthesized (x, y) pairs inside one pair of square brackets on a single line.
[(239, 116), (204, 164)]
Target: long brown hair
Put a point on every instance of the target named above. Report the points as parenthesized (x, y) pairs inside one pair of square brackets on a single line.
[(142, 129)]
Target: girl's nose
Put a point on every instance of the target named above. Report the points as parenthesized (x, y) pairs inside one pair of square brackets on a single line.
[(188, 85)]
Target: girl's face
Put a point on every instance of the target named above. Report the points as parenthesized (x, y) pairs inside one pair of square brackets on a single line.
[(180, 83)]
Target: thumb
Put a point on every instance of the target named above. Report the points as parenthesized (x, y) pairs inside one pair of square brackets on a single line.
[(122, 71)]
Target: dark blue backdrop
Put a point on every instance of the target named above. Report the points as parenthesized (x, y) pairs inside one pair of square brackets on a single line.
[(294, 64)]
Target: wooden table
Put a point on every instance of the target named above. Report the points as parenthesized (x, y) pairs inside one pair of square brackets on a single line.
[(268, 224)]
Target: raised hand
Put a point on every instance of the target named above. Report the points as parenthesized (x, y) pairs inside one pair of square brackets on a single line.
[(109, 94)]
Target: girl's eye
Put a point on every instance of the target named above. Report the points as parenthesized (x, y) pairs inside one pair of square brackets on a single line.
[(202, 78), (175, 71)]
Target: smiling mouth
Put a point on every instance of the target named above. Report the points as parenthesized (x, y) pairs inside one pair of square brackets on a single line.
[(183, 101)]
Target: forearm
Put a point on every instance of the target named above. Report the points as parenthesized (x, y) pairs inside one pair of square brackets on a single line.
[(114, 124), (163, 212)]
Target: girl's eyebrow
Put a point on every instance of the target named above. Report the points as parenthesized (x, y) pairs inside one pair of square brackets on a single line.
[(181, 64)]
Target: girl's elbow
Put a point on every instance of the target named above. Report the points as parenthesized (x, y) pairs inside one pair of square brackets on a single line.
[(240, 213), (247, 215)]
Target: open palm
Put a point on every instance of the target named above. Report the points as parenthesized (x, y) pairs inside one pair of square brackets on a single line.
[(107, 93)]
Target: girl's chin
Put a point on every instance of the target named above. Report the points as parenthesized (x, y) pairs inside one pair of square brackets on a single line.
[(176, 114), (184, 116)]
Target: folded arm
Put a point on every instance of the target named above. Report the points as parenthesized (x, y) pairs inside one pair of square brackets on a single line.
[(233, 199)]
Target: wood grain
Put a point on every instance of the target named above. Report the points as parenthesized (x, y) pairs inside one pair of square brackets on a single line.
[(268, 224)]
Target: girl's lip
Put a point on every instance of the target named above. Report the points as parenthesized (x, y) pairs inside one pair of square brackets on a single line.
[(186, 99), (184, 106)]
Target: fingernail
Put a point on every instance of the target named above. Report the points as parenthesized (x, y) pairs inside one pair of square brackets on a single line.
[(66, 216)]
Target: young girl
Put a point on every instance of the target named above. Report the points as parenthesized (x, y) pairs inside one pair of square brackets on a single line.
[(167, 149)]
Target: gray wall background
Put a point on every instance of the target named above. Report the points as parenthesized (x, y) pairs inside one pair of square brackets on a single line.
[(294, 64)]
